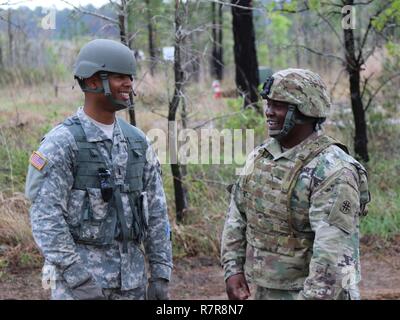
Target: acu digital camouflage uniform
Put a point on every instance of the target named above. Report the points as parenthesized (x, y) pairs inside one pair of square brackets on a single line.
[(57, 212), (293, 220)]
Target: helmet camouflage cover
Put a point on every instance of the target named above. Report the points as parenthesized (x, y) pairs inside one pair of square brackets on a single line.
[(302, 88)]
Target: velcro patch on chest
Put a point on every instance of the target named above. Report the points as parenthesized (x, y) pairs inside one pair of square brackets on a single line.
[(38, 160)]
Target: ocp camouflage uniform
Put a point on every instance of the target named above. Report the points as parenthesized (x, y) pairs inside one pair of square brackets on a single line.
[(310, 251), (57, 210)]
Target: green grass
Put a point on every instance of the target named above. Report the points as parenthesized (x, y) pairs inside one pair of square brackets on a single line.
[(27, 117), (200, 231), (383, 217), (16, 146)]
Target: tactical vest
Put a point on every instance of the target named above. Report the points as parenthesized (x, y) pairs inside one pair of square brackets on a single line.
[(278, 255), (113, 225)]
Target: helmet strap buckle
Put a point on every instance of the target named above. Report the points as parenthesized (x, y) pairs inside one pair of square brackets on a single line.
[(105, 83)]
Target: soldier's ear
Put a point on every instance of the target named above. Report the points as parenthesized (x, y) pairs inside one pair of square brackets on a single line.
[(92, 82)]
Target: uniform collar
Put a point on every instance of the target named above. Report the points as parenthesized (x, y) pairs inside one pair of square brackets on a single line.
[(273, 147), (94, 133)]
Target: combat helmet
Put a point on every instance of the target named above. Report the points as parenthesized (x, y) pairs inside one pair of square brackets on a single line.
[(104, 56), (304, 92)]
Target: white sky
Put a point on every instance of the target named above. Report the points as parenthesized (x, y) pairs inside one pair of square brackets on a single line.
[(46, 4)]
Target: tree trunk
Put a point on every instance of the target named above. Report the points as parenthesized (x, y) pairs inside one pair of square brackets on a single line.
[(184, 126), (1, 55), (152, 49), (323, 49), (181, 201), (217, 67), (297, 23), (122, 15), (247, 79), (306, 30), (220, 55), (353, 68), (10, 39), (213, 68)]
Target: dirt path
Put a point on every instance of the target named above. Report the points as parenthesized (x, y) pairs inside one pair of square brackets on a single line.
[(201, 278)]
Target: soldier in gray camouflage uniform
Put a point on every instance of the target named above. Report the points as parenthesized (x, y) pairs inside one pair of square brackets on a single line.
[(98, 205), (292, 227)]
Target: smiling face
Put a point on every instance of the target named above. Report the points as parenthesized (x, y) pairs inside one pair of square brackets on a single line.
[(275, 112), (120, 86)]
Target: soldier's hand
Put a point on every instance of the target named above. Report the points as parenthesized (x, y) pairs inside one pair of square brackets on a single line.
[(158, 289), (89, 290), (237, 288)]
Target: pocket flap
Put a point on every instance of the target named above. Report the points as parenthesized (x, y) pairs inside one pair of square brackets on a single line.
[(98, 206), (76, 204)]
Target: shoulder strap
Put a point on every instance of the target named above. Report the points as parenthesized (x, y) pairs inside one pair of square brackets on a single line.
[(131, 133), (303, 158), (88, 158), (74, 126)]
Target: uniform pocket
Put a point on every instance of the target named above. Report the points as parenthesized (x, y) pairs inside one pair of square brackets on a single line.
[(277, 271), (98, 207), (75, 206), (93, 218), (145, 208)]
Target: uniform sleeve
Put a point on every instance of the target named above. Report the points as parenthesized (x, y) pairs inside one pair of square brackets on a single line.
[(233, 243), (48, 190), (158, 239), (334, 217)]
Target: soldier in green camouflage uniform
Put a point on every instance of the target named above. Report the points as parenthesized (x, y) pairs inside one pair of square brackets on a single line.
[(292, 227), (98, 204)]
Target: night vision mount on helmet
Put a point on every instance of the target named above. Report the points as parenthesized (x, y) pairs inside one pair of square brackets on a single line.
[(104, 56), (303, 91)]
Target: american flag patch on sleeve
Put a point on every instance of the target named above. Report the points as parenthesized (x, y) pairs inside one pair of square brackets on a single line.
[(38, 160)]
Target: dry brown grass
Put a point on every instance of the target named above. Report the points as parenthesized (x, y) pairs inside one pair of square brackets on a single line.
[(14, 220), (31, 107), (18, 249)]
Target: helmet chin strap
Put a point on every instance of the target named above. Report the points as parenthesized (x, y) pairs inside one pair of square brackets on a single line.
[(289, 123), (292, 118), (118, 104)]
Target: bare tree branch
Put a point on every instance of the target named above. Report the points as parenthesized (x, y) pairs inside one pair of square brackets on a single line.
[(379, 89), (14, 25), (91, 13), (134, 35), (152, 110), (229, 4), (105, 27), (327, 55), (331, 27), (330, 3), (369, 28), (306, 8), (364, 40), (218, 117), (337, 81), (363, 3), (365, 84), (9, 3)]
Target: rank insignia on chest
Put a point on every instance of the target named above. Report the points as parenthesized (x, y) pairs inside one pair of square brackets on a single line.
[(38, 160)]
